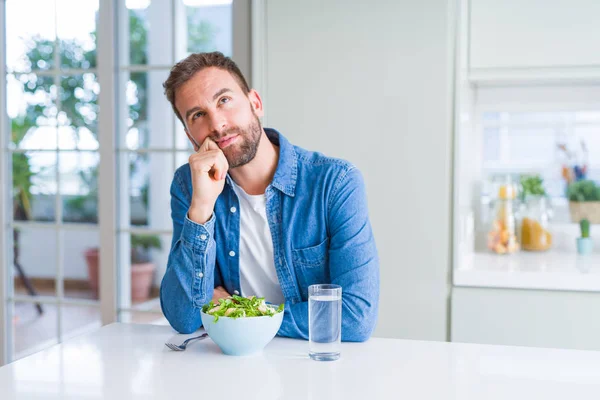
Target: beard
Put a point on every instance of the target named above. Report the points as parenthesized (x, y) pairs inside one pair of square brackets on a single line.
[(246, 146)]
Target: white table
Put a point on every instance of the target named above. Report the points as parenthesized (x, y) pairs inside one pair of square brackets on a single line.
[(123, 361)]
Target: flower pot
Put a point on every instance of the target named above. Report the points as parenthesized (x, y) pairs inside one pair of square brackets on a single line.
[(142, 276), (585, 210), (585, 246)]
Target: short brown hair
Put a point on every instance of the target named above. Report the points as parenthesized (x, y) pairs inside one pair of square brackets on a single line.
[(186, 68)]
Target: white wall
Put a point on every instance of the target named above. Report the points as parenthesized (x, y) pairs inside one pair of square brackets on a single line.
[(370, 81)]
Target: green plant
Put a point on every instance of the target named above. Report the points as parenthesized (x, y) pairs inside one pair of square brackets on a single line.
[(22, 173), (584, 224), (84, 207), (141, 246), (532, 185), (585, 190)]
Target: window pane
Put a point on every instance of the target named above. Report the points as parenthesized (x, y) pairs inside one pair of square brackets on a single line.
[(539, 117), (79, 186), (36, 252), (34, 186), (541, 143), (491, 144), (149, 189), (30, 35), (151, 119), (34, 274), (590, 135), (182, 142), (209, 26), (138, 33), (33, 331), (149, 254), (78, 115), (77, 36), (142, 272), (532, 145), (587, 116), (80, 265), (32, 110), (181, 158)]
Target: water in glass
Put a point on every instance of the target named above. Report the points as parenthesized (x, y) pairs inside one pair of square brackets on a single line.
[(325, 322)]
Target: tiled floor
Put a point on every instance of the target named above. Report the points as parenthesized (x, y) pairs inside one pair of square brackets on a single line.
[(33, 332)]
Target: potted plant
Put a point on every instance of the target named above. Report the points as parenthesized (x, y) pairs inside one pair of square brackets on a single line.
[(584, 201), (142, 267), (585, 244), (532, 185), (22, 175)]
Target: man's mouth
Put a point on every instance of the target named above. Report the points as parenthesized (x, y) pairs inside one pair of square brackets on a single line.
[(226, 141)]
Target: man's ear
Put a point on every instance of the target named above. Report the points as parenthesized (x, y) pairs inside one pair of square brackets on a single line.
[(256, 103)]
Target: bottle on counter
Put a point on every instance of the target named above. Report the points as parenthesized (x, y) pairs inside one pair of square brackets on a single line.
[(535, 225), (502, 237)]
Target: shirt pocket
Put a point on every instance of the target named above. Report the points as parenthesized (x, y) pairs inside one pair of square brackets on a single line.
[(311, 265)]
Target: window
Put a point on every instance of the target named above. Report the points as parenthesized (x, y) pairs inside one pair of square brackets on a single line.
[(53, 86), (526, 130), (52, 108), (538, 142)]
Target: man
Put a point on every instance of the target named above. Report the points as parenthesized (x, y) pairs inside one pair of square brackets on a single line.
[(255, 215)]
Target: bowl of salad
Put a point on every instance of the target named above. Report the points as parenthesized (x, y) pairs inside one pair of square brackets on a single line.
[(241, 325)]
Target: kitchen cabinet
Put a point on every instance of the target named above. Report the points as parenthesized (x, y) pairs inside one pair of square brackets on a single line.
[(537, 318), (533, 34)]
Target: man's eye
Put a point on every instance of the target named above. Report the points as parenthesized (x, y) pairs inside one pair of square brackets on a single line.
[(198, 114), (224, 100)]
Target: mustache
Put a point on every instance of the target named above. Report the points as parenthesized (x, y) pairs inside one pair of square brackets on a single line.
[(219, 135)]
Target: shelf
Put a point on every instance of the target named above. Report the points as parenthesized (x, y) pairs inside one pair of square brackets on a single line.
[(524, 270)]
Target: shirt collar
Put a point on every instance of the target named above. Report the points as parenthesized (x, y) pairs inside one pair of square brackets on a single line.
[(287, 166)]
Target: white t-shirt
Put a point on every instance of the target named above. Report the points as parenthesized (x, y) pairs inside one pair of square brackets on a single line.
[(257, 266)]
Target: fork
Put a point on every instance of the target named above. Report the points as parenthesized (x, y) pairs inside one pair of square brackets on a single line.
[(183, 345)]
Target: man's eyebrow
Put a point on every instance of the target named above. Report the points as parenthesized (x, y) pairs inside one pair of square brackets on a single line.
[(220, 92)]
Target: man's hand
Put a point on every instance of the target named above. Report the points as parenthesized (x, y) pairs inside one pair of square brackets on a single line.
[(209, 168), (219, 293)]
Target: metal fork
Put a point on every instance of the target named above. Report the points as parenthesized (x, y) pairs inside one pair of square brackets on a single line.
[(183, 345)]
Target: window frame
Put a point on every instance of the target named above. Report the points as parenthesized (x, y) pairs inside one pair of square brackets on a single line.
[(111, 47)]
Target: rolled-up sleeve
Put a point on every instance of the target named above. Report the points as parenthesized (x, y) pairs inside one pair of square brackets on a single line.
[(188, 282)]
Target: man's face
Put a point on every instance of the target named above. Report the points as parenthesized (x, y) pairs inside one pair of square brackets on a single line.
[(212, 104)]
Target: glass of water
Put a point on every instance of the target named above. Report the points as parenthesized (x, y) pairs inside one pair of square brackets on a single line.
[(324, 322)]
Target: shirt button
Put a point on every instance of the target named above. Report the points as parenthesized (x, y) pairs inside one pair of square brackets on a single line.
[(236, 292), (232, 253), (233, 209), (200, 274), (203, 237)]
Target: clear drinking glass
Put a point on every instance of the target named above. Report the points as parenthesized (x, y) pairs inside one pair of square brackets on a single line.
[(324, 322)]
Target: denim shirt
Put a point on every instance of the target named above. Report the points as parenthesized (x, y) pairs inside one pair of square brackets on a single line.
[(318, 216)]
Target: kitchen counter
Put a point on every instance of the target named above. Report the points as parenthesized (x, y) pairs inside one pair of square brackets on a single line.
[(530, 270), (128, 361)]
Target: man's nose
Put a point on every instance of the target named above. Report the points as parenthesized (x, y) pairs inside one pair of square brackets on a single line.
[(218, 123)]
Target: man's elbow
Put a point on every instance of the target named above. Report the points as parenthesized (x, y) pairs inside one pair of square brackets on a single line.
[(181, 320), (360, 329), (359, 334), (184, 328)]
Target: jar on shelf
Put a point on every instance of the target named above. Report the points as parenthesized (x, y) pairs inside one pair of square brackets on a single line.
[(535, 225), (502, 235)]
